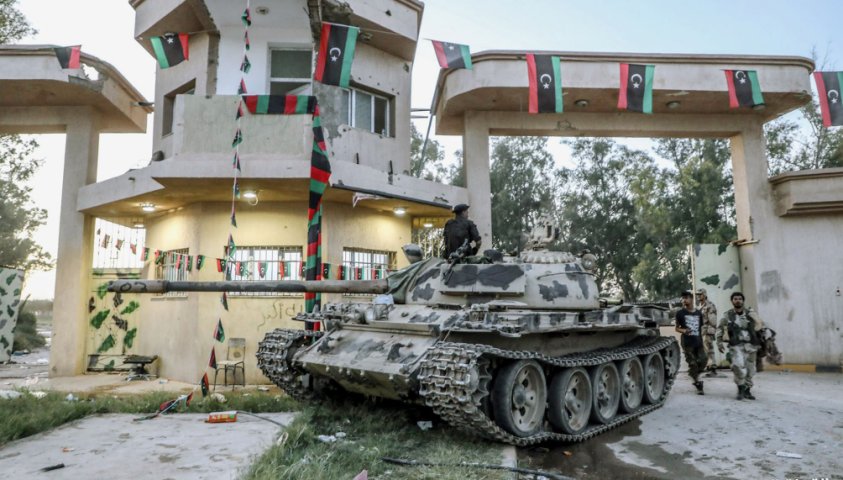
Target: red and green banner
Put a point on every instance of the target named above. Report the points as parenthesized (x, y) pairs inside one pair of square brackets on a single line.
[(828, 89), (200, 260), (219, 333), (336, 52), (545, 77), (206, 389), (636, 91), (220, 265), (280, 104), (170, 49), (452, 55), (744, 89), (69, 57)]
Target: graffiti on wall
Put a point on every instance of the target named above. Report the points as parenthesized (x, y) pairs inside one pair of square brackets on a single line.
[(11, 281), (112, 327)]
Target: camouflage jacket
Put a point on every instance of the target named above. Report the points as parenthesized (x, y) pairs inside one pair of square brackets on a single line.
[(727, 324), (709, 313)]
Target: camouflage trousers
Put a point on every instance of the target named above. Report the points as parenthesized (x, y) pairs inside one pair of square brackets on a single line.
[(742, 356), (695, 358), (708, 341)]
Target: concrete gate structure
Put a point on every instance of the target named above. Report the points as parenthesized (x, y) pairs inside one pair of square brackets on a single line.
[(788, 226)]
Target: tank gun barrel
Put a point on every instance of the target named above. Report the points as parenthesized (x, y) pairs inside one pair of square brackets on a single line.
[(279, 286)]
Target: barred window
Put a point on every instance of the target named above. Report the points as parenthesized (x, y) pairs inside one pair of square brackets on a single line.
[(361, 264), (262, 263), (173, 266)]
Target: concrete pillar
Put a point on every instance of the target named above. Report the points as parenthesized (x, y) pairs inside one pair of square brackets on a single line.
[(752, 194), (73, 261), (475, 148)]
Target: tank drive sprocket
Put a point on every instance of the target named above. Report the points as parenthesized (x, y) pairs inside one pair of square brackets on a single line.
[(275, 354)]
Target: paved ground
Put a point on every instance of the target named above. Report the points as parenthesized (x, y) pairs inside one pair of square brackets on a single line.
[(178, 446), (715, 436)]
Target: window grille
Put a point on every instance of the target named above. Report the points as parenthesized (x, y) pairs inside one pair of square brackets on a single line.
[(361, 264), (173, 266), (265, 263)]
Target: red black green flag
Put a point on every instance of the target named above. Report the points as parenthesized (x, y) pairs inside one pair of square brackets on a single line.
[(220, 265), (280, 104), (452, 55), (326, 271), (231, 247), (68, 57), (134, 248), (189, 264), (636, 92), (320, 174), (170, 49), (241, 89), (246, 18), (238, 138), (262, 266), (233, 215), (828, 88), (545, 76), (238, 268), (224, 301), (212, 362), (200, 260), (245, 65), (219, 333), (158, 257), (246, 41), (336, 52), (744, 89), (206, 389), (146, 254), (239, 111), (236, 161)]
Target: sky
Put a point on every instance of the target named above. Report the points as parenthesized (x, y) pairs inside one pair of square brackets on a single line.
[(741, 27)]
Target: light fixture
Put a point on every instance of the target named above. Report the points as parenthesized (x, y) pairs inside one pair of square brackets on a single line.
[(427, 225), (250, 194), (262, 10), (399, 210), (673, 105), (582, 103), (139, 225), (148, 207)]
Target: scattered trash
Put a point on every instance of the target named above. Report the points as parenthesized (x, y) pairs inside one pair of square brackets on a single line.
[(71, 397), (162, 380), (222, 417), (218, 397), (340, 435), (327, 438), (42, 361), (282, 439), (364, 475), (52, 467), (9, 394), (263, 388), (784, 454), (425, 424), (38, 394), (30, 381), (67, 449), (567, 453)]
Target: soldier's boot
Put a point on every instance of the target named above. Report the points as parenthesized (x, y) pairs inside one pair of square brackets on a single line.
[(747, 394), (699, 385), (741, 390), (711, 372)]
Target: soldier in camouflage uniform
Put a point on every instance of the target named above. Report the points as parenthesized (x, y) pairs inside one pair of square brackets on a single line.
[(739, 328), (709, 329)]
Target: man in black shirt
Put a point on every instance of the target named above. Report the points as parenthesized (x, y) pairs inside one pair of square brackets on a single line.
[(458, 230), (689, 324)]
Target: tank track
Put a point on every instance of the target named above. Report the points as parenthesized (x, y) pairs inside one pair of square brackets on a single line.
[(275, 353), (449, 384)]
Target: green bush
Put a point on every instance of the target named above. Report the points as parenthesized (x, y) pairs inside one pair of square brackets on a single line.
[(26, 337)]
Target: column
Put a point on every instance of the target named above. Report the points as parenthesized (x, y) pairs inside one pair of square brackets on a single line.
[(73, 261), (476, 162)]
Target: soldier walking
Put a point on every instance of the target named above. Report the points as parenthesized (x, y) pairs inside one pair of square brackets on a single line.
[(740, 327), (689, 324), (709, 329)]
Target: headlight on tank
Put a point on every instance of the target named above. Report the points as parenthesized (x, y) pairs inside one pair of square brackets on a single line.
[(588, 262)]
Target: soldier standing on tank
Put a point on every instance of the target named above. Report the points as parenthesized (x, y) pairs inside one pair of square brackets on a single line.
[(689, 324), (458, 230), (709, 329), (740, 327)]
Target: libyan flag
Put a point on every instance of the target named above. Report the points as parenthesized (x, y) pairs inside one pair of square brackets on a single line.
[(219, 333), (636, 91), (336, 52), (452, 55), (828, 88), (68, 57), (170, 49), (545, 76), (280, 104), (744, 89)]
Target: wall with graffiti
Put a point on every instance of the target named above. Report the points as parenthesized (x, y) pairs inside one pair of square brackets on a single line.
[(11, 281), (113, 321)]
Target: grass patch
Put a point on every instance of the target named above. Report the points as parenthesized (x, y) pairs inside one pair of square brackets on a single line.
[(373, 431), (27, 415)]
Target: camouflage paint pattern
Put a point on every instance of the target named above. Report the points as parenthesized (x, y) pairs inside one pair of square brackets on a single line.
[(717, 269), (112, 324), (11, 282)]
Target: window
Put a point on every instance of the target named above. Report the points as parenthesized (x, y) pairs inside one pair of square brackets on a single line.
[(367, 111), (188, 88), (173, 267), (290, 71), (360, 264), (277, 263)]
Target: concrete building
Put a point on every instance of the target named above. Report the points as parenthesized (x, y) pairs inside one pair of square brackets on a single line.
[(187, 185)]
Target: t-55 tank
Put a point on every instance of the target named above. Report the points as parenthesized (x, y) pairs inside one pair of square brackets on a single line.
[(517, 349)]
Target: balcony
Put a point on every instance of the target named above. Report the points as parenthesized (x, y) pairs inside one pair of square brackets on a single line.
[(808, 192)]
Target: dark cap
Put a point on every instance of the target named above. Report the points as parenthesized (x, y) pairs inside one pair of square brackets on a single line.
[(687, 293), (459, 208)]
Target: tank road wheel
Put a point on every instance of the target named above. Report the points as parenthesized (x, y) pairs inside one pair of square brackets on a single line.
[(671, 358), (653, 377), (606, 392), (570, 400), (632, 384), (519, 396)]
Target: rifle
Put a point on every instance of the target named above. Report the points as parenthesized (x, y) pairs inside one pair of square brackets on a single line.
[(455, 257)]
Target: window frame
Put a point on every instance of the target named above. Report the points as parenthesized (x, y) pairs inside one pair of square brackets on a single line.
[(308, 81), (350, 98), (166, 270), (349, 260), (247, 253)]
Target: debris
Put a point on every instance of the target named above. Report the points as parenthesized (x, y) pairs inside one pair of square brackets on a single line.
[(67, 449), (9, 394), (425, 424), (263, 388), (364, 475), (38, 394), (784, 454), (282, 439), (534, 473), (71, 397), (218, 397), (162, 380), (222, 417), (567, 453), (327, 438), (52, 467), (42, 361), (30, 381), (340, 435)]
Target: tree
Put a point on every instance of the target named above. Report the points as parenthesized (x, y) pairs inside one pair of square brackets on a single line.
[(790, 148), (18, 217), (430, 165), (524, 181)]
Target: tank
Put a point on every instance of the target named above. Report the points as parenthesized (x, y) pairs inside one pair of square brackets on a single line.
[(518, 349)]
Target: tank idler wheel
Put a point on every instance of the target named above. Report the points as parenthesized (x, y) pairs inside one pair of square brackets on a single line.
[(632, 384), (570, 401), (653, 377), (606, 392), (519, 396), (671, 358)]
